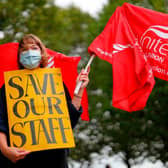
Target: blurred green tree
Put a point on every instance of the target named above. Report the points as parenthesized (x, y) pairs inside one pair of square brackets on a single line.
[(137, 135), (60, 29)]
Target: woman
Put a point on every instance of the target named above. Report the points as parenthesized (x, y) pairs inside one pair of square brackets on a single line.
[(32, 54)]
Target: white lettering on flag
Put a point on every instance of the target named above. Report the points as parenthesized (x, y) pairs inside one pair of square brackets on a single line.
[(119, 47)]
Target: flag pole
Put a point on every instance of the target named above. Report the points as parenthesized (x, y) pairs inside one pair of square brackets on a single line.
[(85, 70)]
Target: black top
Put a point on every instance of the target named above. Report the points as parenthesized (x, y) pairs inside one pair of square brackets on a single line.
[(55, 157)]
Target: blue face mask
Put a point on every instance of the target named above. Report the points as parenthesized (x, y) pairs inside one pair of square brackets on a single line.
[(30, 59)]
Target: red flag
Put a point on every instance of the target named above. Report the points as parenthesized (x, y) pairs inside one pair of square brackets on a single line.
[(8, 55), (151, 30), (68, 65), (133, 79)]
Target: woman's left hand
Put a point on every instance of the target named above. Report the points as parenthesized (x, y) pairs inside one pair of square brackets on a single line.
[(83, 76)]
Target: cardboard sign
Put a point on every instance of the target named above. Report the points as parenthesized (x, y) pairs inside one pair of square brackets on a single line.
[(37, 110)]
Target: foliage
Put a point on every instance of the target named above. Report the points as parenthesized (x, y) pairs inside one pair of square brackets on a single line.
[(60, 29), (137, 135)]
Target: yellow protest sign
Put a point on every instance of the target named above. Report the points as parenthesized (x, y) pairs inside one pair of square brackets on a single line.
[(37, 110)]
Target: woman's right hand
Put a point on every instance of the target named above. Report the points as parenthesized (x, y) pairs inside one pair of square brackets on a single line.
[(15, 154)]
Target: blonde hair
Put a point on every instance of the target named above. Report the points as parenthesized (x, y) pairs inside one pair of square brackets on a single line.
[(26, 38)]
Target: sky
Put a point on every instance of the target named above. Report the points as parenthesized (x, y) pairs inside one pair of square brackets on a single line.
[(90, 6)]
